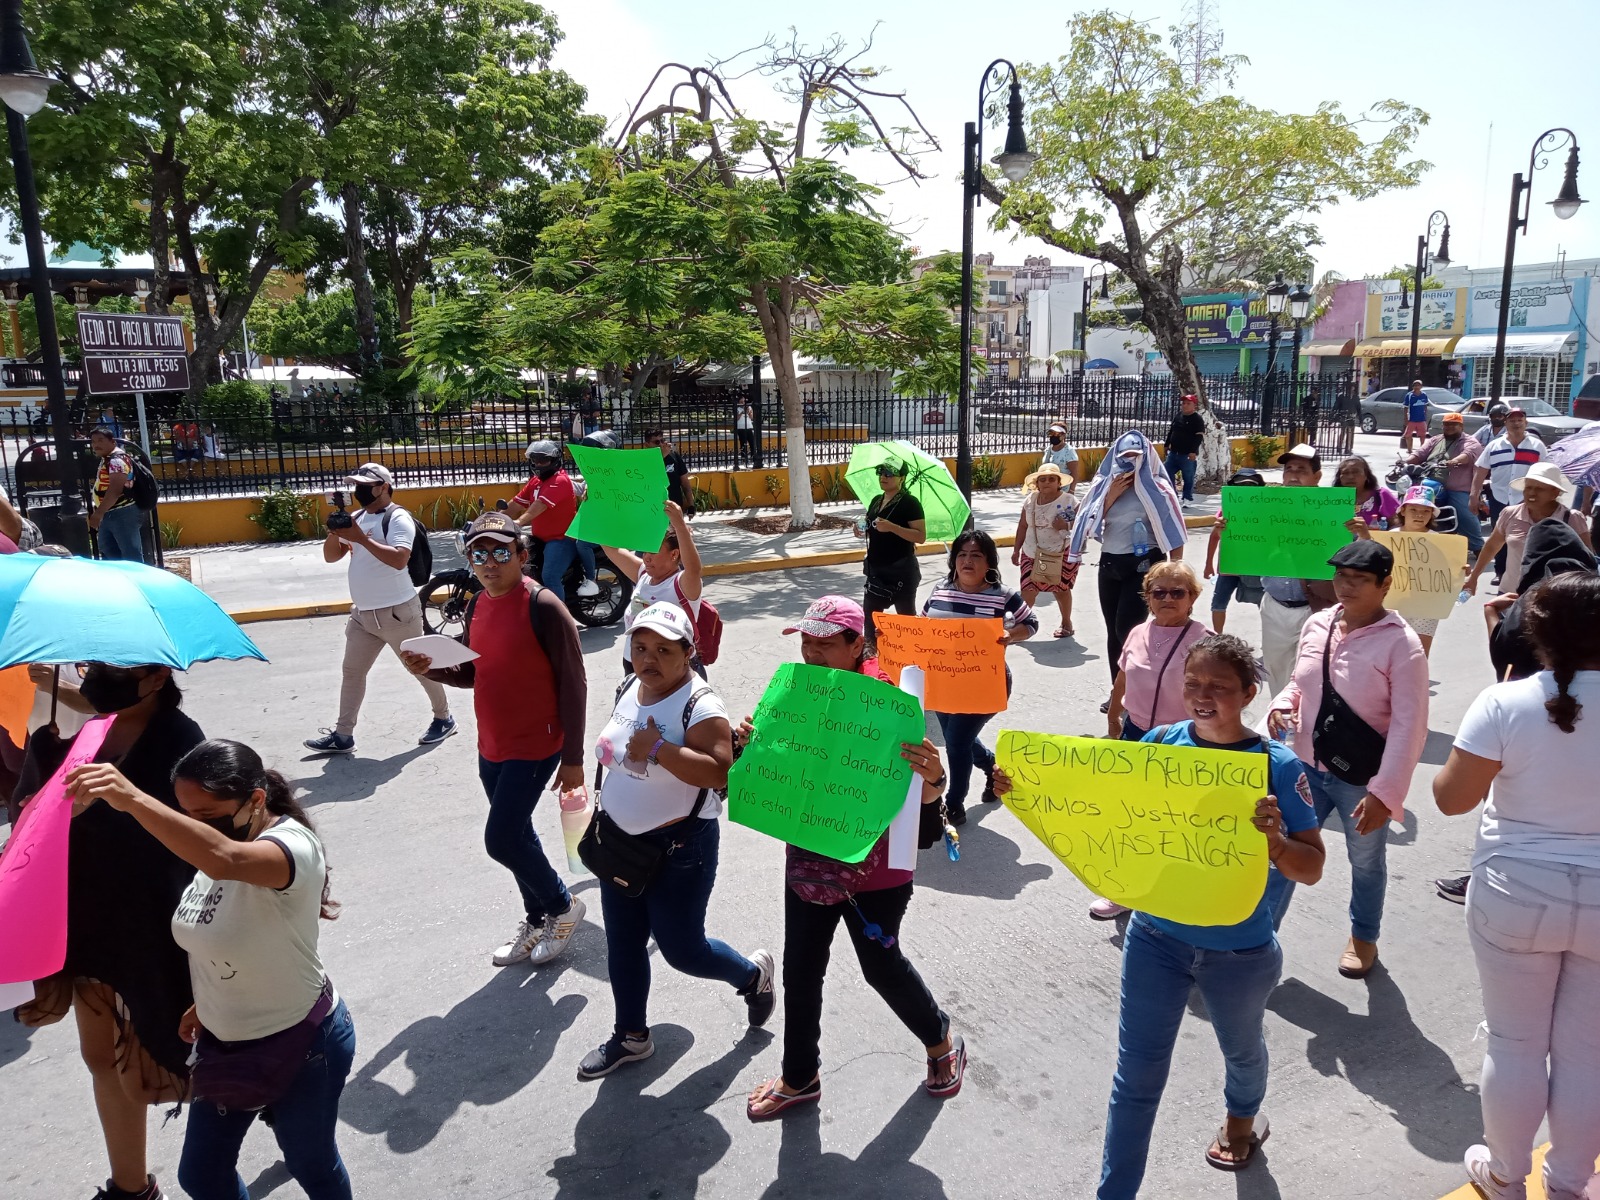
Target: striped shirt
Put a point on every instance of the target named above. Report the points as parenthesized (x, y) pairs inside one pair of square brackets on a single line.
[(1506, 462)]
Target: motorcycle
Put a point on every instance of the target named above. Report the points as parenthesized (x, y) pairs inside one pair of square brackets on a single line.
[(445, 597)]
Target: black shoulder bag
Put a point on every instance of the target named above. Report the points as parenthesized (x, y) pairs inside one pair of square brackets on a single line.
[(1350, 748), (628, 861)]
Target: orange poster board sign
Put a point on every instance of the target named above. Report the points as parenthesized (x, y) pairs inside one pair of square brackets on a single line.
[(16, 702), (963, 659)]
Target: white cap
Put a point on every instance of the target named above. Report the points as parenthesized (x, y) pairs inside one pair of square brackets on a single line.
[(371, 473), (667, 619)]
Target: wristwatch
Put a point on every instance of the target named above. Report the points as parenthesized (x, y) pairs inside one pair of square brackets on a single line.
[(655, 750)]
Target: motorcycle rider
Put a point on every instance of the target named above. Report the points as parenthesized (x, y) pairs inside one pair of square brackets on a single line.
[(545, 507)]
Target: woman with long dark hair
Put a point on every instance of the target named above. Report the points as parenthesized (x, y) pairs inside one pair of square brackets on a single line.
[(973, 589), (125, 980), (270, 1031), (1527, 752)]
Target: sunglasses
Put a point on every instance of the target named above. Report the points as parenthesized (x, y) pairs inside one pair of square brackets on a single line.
[(500, 554), (1166, 593)]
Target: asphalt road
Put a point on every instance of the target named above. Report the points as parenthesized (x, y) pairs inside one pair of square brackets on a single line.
[(465, 1080)]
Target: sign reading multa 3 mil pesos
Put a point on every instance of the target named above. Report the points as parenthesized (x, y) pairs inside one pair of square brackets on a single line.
[(132, 352), (823, 769), (1289, 532)]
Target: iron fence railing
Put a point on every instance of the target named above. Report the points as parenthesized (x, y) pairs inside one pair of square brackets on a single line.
[(309, 444)]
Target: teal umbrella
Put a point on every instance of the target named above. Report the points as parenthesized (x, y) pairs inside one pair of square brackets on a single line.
[(926, 478)]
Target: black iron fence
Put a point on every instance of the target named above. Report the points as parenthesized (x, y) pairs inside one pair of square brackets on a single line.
[(248, 444)]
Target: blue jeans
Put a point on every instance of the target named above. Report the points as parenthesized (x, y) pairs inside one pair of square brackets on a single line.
[(673, 910), (558, 556), (1495, 509), (514, 787), (1467, 522), (1182, 464), (304, 1121), (964, 750), (1157, 972), (119, 533), (585, 557), (1368, 854)]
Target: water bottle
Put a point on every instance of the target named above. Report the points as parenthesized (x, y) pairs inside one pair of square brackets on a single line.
[(1141, 537), (1463, 596), (576, 812)]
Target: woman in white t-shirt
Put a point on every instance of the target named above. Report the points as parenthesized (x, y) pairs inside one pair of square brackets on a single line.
[(1533, 905), (1043, 529), (249, 923), (666, 747), (669, 575)]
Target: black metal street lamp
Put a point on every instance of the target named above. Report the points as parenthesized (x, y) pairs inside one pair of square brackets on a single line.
[(1299, 310), (1425, 263), (24, 89), (1104, 294), (1277, 298), (1015, 161), (1565, 205)]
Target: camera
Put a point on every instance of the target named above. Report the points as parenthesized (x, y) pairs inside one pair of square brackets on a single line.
[(338, 518)]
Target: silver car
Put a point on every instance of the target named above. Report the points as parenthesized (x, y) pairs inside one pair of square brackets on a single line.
[(1385, 410), (1544, 422)]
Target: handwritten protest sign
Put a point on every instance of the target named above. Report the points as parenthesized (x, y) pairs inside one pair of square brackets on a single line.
[(1427, 572), (1162, 829), (823, 769), (626, 491), (964, 660), (33, 871), (16, 703), (1285, 531)]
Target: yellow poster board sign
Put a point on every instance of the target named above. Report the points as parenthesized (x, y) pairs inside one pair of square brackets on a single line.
[(1428, 571), (1165, 830)]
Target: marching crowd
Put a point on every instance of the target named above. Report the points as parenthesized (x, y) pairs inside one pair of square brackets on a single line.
[(198, 883)]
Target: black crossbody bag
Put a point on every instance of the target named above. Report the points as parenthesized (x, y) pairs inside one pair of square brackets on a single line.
[(1350, 748)]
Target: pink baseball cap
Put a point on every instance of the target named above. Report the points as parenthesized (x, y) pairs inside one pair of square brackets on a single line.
[(829, 615)]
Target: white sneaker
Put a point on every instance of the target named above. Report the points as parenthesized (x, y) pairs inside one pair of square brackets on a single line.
[(557, 932), (588, 588), (519, 947), (1476, 1161), (1105, 910)]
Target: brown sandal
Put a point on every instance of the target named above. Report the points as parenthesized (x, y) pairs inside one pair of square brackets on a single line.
[(770, 1094), (957, 1058), (1221, 1145)]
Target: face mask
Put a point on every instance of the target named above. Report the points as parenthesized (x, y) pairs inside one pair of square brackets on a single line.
[(108, 693), (544, 470), (365, 494), (228, 827), (1055, 439)]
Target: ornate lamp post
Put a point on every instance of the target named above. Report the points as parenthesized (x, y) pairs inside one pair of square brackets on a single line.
[(1277, 298)]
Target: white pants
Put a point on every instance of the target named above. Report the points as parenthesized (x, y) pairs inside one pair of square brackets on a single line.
[(1280, 639), (1535, 930)]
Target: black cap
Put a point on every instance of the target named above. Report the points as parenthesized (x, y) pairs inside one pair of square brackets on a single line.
[(1246, 477), (1364, 555)]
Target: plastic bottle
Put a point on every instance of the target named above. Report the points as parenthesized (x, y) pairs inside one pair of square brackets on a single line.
[(576, 812), (1463, 596), (1141, 537)]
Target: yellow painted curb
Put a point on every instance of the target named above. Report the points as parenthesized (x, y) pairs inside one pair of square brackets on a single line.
[(289, 612)]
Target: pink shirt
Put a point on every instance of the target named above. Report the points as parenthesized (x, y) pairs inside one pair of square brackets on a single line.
[(1382, 674), (1148, 648)]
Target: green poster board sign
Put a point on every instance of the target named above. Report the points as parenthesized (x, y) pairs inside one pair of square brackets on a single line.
[(1284, 531), (627, 492), (823, 769)]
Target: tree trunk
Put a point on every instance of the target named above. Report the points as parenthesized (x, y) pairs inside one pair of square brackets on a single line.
[(355, 243), (160, 244), (1163, 316), (777, 331)]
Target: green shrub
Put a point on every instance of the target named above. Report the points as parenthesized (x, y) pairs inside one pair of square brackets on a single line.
[(987, 473), (832, 486), (1263, 449), (171, 535), (240, 408), (705, 500), (282, 514)]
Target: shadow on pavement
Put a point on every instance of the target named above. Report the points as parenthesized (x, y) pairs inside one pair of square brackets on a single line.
[(1437, 748), (884, 1167), (1386, 1058), (346, 777), (512, 1012), (991, 863), (14, 1036), (632, 1143)]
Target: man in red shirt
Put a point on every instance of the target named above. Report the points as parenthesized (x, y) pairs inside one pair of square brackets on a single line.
[(530, 694), (546, 506)]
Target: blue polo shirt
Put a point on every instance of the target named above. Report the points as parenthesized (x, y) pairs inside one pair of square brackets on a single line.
[(1416, 406), (1289, 785)]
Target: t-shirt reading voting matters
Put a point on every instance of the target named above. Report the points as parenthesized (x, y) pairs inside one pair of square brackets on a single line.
[(252, 950), (374, 584), (642, 803), (1287, 782), (1542, 803), (557, 491)]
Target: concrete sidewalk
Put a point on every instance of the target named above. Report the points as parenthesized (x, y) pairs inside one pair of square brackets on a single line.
[(286, 580)]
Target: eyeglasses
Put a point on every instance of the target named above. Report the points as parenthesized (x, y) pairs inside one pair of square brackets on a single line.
[(1166, 593), (501, 554)]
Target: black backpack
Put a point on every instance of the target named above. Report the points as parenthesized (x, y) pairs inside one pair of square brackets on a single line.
[(143, 488), (420, 565)]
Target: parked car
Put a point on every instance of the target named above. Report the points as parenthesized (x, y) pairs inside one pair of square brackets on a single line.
[(1546, 423), (1385, 410)]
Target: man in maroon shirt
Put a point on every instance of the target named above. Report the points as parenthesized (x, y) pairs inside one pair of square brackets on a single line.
[(530, 694), (546, 506)]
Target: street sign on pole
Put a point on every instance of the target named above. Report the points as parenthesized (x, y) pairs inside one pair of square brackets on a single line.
[(108, 374), (133, 352)]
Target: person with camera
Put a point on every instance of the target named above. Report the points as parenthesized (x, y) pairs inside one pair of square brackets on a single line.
[(385, 609), (1451, 458), (546, 507), (530, 693)]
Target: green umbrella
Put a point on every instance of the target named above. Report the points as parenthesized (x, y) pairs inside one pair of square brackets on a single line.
[(926, 478)]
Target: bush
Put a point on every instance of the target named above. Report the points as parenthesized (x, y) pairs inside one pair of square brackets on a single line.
[(282, 514), (987, 473), (239, 408)]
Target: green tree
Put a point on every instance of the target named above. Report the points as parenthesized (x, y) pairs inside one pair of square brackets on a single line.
[(1151, 164), (321, 329)]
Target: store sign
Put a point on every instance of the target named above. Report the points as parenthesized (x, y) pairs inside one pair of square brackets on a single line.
[(1444, 311), (1227, 320), (132, 352), (1533, 306)]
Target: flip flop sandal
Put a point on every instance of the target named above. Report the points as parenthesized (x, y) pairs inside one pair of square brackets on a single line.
[(1063, 631), (768, 1092), (958, 1058), (1258, 1136)]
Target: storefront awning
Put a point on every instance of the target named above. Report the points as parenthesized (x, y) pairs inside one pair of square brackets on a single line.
[(1427, 347), (1521, 345), (1330, 348)]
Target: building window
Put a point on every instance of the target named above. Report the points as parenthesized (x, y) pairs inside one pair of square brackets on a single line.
[(1547, 379), (999, 289)]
